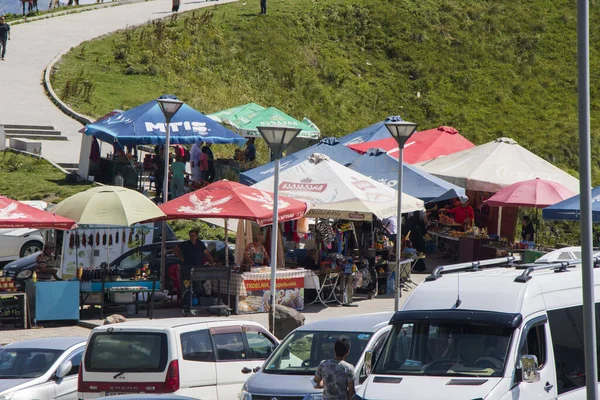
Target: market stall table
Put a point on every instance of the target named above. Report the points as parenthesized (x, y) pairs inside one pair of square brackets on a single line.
[(14, 310), (446, 244)]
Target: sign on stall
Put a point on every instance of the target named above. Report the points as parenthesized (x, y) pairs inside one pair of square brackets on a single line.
[(290, 293)]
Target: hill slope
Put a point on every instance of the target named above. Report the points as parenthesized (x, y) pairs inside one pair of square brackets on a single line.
[(489, 68)]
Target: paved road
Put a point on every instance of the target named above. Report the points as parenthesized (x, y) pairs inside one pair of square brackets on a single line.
[(34, 45)]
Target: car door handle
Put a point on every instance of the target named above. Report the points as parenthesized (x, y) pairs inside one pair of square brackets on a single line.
[(548, 387), (256, 369), (246, 370)]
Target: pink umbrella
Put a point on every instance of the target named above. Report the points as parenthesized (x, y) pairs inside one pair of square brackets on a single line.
[(537, 193)]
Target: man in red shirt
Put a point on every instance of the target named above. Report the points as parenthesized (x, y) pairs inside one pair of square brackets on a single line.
[(463, 212)]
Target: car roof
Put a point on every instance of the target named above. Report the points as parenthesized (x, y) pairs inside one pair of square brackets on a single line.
[(174, 323), (352, 323), (141, 396), (57, 343)]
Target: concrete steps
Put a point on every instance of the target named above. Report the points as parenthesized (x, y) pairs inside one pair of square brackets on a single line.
[(37, 132)]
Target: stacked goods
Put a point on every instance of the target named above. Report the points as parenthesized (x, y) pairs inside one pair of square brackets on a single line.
[(7, 285)]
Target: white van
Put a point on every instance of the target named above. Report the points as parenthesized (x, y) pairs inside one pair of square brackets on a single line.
[(204, 358), (495, 333)]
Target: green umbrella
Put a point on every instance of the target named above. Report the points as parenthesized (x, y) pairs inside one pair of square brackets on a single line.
[(237, 116), (272, 116)]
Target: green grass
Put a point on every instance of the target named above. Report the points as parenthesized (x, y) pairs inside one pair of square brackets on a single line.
[(30, 178), (489, 68)]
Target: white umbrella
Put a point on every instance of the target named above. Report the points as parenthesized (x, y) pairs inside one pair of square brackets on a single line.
[(335, 191), (495, 165)]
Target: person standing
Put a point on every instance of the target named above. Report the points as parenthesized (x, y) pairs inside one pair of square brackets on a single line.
[(177, 177), (463, 212), (250, 152), (44, 269), (195, 161), (176, 4), (263, 7), (4, 36), (159, 175), (527, 230), (210, 175), (192, 254), (337, 374)]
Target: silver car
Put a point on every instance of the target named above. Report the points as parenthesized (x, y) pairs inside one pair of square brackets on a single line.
[(41, 369)]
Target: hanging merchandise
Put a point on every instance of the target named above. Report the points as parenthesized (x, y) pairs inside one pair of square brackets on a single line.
[(104, 239), (84, 239), (97, 238), (110, 239), (91, 240), (71, 240), (117, 237), (130, 241), (77, 240), (325, 232)]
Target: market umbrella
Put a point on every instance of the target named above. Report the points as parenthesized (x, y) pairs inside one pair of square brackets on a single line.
[(226, 199), (495, 165), (236, 115), (422, 146), (108, 205), (248, 126), (568, 210), (331, 147), (537, 193), (370, 133), (335, 191), (14, 214), (378, 165), (145, 124)]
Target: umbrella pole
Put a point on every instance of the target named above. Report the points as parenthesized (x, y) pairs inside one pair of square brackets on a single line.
[(499, 222), (226, 246)]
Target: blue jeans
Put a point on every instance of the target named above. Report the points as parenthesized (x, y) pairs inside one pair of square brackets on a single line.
[(3, 47)]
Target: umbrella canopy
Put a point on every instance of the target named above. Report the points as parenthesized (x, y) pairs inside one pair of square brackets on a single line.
[(14, 214), (534, 193), (110, 114), (271, 116), (235, 115), (146, 124), (495, 165), (568, 210), (370, 133), (226, 199), (335, 191), (422, 146), (108, 205), (378, 165), (331, 147)]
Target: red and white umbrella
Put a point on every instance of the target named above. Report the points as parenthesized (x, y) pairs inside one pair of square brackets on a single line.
[(537, 193), (232, 200), (14, 214)]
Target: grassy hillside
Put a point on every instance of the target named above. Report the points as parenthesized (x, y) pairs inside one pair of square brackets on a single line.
[(489, 68)]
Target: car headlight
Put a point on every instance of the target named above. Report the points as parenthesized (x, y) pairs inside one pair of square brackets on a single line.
[(7, 395), (23, 275), (244, 395), (315, 396)]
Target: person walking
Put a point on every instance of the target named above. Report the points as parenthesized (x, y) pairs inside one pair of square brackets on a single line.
[(337, 374), (4, 36), (263, 7), (176, 4)]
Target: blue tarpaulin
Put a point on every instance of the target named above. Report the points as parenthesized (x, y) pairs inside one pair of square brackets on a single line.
[(331, 147), (378, 165), (146, 124), (373, 132), (568, 210)]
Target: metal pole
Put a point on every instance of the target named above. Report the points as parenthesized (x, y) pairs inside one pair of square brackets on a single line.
[(585, 196), (163, 244), (397, 289), (274, 240), (226, 244)]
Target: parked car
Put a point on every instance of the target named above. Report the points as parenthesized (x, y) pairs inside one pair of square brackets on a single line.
[(287, 373), (143, 396), (126, 264), (21, 242), (41, 369), (203, 358)]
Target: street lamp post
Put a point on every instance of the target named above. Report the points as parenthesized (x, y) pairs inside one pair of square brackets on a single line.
[(169, 107), (278, 138), (401, 131)]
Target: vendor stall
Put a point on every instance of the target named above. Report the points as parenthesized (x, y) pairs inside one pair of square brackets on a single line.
[(53, 301)]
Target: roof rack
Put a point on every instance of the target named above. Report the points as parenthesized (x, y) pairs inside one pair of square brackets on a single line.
[(561, 266), (469, 266)]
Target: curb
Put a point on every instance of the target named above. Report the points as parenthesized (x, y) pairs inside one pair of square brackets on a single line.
[(26, 153)]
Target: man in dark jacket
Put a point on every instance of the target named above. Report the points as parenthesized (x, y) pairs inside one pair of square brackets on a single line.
[(4, 36)]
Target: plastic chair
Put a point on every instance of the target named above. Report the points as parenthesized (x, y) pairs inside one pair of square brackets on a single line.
[(330, 282)]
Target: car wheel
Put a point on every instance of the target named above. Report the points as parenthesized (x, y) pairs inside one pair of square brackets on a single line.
[(33, 246)]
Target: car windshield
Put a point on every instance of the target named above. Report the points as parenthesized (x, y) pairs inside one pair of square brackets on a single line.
[(26, 363), (445, 349), (302, 352)]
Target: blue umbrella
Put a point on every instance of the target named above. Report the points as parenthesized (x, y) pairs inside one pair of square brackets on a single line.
[(331, 147), (377, 164), (568, 210), (373, 132), (146, 124)]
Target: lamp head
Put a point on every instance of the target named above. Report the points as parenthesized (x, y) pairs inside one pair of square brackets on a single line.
[(169, 107), (278, 138), (401, 131)]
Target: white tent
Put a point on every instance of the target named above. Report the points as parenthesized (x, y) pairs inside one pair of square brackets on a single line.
[(495, 165), (335, 191)]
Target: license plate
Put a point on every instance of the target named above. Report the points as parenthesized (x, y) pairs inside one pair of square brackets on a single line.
[(115, 393)]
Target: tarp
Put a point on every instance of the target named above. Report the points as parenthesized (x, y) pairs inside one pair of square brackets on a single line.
[(568, 210), (14, 214), (422, 146), (378, 165), (331, 147), (534, 193), (370, 133), (146, 124), (226, 199), (335, 191), (495, 165), (245, 120)]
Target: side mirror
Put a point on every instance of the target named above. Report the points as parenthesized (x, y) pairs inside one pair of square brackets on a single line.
[(530, 369), (63, 369), (369, 359)]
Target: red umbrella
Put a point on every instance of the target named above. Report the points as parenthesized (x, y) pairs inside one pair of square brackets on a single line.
[(226, 199), (14, 214), (422, 146), (537, 193)]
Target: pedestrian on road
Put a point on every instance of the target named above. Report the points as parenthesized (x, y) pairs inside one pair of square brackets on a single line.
[(336, 376), (4, 36), (176, 4), (263, 7)]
